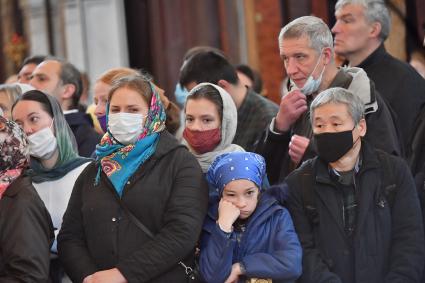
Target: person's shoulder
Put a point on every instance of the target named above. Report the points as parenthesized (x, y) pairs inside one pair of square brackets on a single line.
[(24, 194), (22, 186), (169, 146), (402, 69), (397, 163)]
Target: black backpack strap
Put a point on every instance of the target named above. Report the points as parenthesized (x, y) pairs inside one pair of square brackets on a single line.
[(307, 191)]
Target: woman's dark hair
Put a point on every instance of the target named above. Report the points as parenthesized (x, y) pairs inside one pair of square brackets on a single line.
[(39, 96), (210, 93)]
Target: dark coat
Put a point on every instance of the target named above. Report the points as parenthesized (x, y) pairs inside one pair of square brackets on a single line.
[(254, 114), (400, 85), (85, 135), (26, 234), (388, 243), (268, 248), (381, 133), (168, 194)]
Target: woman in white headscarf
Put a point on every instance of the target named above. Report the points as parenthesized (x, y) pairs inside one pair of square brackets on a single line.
[(211, 121)]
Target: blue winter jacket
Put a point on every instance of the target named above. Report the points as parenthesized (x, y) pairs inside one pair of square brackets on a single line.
[(268, 248)]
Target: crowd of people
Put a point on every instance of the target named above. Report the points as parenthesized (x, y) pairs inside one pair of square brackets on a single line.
[(222, 185)]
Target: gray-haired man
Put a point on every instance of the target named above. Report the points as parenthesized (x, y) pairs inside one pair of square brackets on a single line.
[(360, 30), (306, 48), (354, 207)]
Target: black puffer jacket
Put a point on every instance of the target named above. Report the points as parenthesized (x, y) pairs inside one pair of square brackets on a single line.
[(168, 194)]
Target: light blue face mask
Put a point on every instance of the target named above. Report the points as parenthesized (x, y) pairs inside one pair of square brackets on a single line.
[(312, 85), (181, 94)]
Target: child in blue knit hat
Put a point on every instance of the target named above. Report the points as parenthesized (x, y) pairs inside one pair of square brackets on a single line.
[(246, 234)]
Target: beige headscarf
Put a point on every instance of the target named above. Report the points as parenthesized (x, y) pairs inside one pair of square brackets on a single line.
[(229, 124)]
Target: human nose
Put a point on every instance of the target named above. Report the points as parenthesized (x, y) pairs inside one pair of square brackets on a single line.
[(196, 126), (336, 28), (33, 82), (28, 130), (240, 202), (291, 67), (100, 109)]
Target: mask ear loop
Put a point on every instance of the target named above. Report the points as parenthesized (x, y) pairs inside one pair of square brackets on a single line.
[(354, 143)]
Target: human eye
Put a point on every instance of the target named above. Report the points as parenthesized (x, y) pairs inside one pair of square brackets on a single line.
[(114, 109), (41, 78), (34, 119), (300, 57), (207, 120), (250, 193), (229, 195), (347, 20), (133, 110), (189, 119)]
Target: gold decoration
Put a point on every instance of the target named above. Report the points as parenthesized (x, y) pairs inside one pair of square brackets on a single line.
[(16, 49)]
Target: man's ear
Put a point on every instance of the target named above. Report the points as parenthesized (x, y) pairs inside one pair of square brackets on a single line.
[(68, 91), (224, 84), (375, 29), (362, 127), (327, 55)]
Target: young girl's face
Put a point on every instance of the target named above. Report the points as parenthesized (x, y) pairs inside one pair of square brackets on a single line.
[(201, 115), (243, 194)]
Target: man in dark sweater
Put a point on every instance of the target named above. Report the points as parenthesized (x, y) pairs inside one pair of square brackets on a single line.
[(360, 30)]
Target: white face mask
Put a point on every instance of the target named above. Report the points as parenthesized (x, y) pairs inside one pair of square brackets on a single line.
[(42, 144), (312, 85), (126, 127)]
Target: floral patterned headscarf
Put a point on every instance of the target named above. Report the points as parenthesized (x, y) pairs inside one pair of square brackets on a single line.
[(119, 161), (14, 153)]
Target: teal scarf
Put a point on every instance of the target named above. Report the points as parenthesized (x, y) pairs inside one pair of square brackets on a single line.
[(39, 174)]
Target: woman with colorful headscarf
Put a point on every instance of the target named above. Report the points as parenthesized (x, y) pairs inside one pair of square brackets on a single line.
[(143, 182), (55, 164), (26, 230), (101, 89), (247, 234)]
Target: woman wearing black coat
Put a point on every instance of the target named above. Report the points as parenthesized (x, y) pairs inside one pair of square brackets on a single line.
[(141, 172)]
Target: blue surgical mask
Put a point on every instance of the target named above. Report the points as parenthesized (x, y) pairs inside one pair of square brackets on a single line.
[(181, 94), (312, 85)]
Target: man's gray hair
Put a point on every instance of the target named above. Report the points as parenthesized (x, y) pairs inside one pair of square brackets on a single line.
[(314, 28), (339, 95), (374, 11)]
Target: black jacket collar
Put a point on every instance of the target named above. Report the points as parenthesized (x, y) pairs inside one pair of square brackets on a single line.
[(374, 57)]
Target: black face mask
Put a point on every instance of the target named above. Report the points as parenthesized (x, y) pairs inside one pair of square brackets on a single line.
[(332, 146)]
